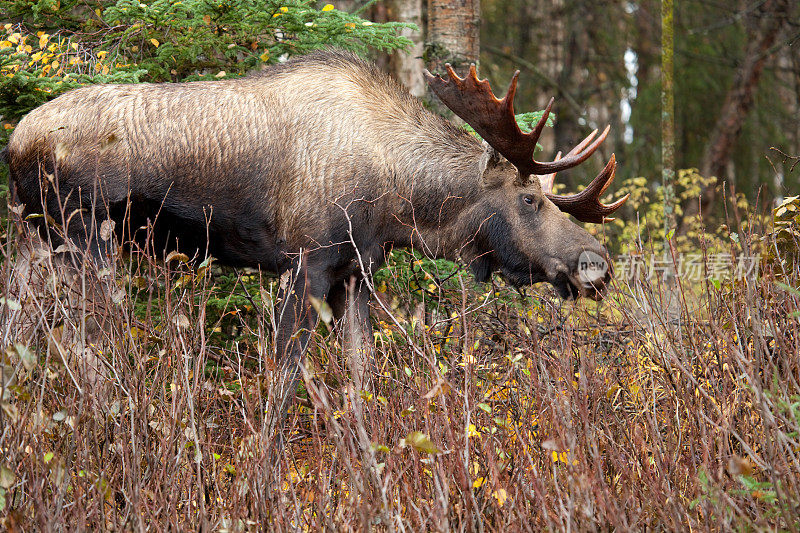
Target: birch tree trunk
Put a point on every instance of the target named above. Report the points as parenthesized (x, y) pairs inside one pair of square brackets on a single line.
[(407, 66), (453, 33)]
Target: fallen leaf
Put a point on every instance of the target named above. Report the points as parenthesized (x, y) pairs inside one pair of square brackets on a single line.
[(7, 477), (421, 442)]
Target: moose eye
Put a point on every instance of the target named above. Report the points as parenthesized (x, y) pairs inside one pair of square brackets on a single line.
[(528, 199)]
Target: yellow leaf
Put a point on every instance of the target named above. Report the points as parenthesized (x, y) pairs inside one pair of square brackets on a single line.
[(43, 40), (155, 42), (105, 69), (501, 496), (176, 256), (74, 46), (322, 308), (276, 15), (472, 431), (264, 57), (7, 477), (6, 44), (469, 358), (478, 482), (284, 9), (328, 7), (102, 54)]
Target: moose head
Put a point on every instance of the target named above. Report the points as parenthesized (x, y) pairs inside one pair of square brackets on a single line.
[(530, 237)]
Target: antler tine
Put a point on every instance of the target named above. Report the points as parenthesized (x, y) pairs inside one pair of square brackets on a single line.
[(473, 100), (548, 180), (537, 129), (574, 158), (586, 205)]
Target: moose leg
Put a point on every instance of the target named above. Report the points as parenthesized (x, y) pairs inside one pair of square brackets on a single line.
[(82, 216), (295, 319), (350, 304), (349, 301)]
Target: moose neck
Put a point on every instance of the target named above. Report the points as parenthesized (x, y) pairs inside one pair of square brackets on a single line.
[(439, 190)]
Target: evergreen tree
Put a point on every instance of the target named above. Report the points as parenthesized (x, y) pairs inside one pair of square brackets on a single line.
[(50, 46)]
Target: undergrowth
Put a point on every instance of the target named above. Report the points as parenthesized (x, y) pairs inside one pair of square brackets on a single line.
[(136, 400)]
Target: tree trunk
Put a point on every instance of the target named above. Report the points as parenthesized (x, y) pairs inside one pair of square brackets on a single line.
[(764, 26), (453, 34), (667, 118), (407, 66)]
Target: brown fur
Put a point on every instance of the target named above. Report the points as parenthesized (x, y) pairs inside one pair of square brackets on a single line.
[(307, 131)]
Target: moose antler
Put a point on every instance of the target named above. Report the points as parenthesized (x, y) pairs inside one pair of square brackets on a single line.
[(590, 207), (473, 100)]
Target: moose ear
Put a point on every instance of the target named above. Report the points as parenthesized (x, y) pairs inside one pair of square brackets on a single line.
[(492, 168)]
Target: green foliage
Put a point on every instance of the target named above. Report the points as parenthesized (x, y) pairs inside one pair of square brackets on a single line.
[(232, 301), (412, 272), (641, 228), (57, 45)]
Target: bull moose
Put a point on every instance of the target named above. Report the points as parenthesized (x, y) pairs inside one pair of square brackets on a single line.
[(317, 166)]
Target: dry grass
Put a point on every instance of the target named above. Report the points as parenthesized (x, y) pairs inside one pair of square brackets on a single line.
[(658, 409)]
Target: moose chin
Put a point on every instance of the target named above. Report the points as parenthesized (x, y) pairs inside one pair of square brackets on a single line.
[(317, 167)]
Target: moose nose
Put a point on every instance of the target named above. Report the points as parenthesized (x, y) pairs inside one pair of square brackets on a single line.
[(594, 273)]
